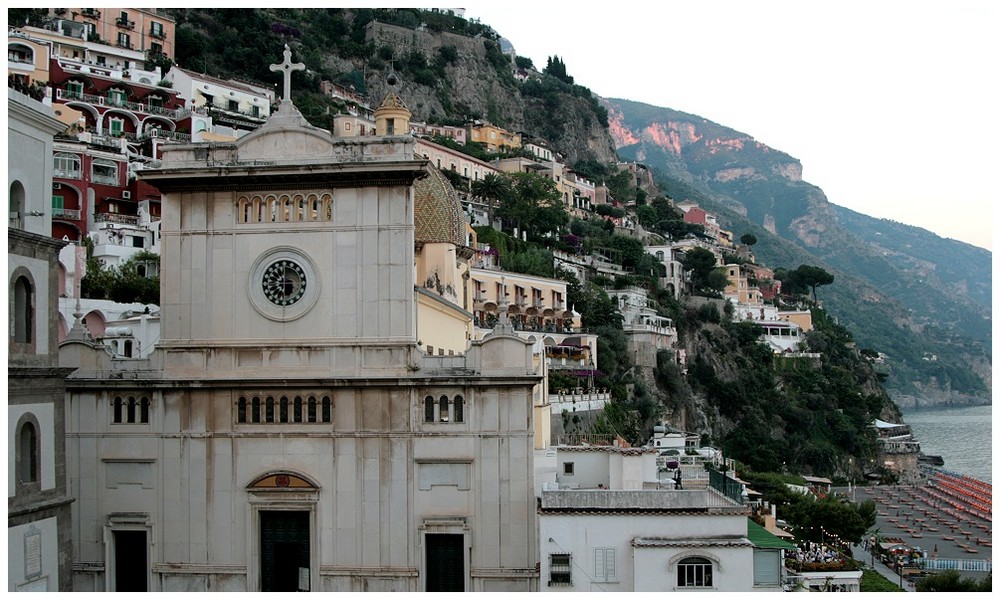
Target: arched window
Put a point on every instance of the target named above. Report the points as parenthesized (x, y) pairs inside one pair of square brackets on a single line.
[(286, 208), (694, 572), (131, 409), (312, 409), (66, 165), (327, 409), (104, 171), (241, 410), (283, 411), (272, 209), (299, 206), (23, 310), (269, 410), (28, 453), (255, 410), (459, 409), (443, 409), (429, 409), (244, 210), (118, 405), (298, 409), (16, 205), (144, 410)]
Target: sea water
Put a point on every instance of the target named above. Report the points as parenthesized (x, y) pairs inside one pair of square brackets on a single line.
[(962, 436)]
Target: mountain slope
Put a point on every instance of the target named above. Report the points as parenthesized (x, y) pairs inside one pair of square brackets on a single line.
[(921, 299)]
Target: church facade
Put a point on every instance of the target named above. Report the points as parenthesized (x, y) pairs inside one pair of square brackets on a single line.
[(289, 433)]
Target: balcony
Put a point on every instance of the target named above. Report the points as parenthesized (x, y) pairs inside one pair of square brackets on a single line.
[(74, 96), (20, 58), (91, 13), (124, 44), (67, 173), (104, 179), (125, 23), (158, 34), (116, 218), (66, 213)]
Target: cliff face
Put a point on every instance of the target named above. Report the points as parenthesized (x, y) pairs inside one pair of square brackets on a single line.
[(472, 84), (476, 83), (901, 289)]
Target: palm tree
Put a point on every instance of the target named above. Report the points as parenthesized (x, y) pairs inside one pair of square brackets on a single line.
[(491, 189)]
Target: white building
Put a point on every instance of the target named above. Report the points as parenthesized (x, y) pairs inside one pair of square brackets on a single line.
[(673, 278), (617, 532), (223, 107)]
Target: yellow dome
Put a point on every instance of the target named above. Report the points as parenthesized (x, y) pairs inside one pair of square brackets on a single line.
[(437, 211)]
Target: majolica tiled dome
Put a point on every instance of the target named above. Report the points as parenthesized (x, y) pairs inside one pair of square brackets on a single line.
[(437, 211)]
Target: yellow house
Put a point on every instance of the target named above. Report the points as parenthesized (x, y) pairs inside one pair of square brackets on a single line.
[(802, 318), (493, 137), (738, 287), (27, 58)]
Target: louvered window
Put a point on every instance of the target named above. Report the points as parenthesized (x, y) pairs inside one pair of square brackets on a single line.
[(605, 567)]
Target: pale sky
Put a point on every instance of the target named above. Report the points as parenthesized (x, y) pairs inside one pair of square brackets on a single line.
[(889, 105)]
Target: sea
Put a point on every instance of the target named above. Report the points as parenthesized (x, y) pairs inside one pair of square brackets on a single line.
[(962, 436)]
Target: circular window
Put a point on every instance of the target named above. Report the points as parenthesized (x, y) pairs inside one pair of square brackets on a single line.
[(283, 284)]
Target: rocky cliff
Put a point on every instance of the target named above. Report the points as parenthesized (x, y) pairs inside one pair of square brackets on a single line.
[(922, 300)]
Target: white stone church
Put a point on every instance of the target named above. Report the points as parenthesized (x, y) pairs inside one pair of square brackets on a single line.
[(289, 433)]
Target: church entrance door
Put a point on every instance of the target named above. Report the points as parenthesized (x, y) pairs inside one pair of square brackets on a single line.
[(284, 551), (131, 569), (445, 562)]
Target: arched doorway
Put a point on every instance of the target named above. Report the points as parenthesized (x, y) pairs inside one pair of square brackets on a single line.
[(284, 556)]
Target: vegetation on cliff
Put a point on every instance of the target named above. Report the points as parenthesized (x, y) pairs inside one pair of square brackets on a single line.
[(921, 300)]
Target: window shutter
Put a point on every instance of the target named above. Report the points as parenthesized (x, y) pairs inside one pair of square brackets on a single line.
[(766, 567), (605, 567)]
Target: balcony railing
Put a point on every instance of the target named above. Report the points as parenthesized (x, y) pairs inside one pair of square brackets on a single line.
[(116, 218), (91, 13), (20, 59), (170, 113), (67, 173), (105, 179), (124, 44), (163, 134), (66, 213), (125, 23), (158, 34)]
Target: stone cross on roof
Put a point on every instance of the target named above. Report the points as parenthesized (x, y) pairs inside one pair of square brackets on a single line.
[(287, 67)]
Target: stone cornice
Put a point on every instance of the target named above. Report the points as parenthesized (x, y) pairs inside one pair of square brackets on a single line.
[(27, 109), (33, 238), (284, 177)]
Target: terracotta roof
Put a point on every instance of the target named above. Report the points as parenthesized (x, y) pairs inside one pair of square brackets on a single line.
[(437, 211), (652, 542)]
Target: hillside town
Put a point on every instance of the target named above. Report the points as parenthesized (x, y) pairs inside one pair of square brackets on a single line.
[(338, 386)]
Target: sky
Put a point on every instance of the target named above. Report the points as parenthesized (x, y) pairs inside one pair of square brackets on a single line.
[(890, 106)]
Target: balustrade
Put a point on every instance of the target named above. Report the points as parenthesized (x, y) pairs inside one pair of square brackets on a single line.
[(66, 213)]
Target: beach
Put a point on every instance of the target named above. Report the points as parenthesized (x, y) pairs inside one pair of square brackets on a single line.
[(949, 517)]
